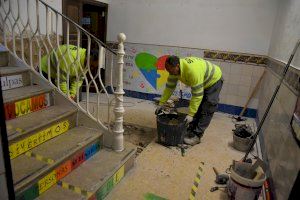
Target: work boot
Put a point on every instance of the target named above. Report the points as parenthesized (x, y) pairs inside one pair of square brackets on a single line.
[(191, 140)]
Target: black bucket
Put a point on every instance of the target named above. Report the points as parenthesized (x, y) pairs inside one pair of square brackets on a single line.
[(170, 129)]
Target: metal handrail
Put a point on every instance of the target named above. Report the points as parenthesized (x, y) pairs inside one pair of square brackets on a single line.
[(64, 62)]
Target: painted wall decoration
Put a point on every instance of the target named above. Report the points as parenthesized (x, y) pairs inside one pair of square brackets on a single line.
[(152, 68), (144, 69)]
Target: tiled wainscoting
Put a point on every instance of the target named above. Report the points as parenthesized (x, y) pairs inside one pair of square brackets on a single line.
[(240, 72), (278, 144), (239, 82)]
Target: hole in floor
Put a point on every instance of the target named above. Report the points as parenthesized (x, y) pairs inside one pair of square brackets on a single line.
[(139, 135)]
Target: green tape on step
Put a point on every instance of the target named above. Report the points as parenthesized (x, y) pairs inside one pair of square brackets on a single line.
[(29, 194), (105, 189), (150, 196)]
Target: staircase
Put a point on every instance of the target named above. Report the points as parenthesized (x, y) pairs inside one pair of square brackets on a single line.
[(58, 149)]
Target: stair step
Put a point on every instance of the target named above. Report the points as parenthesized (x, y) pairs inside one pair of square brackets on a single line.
[(55, 158), (35, 99), (24, 93), (95, 178), (14, 77), (9, 70), (19, 127), (21, 143)]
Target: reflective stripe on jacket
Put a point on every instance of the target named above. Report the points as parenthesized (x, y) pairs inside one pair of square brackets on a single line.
[(197, 73)]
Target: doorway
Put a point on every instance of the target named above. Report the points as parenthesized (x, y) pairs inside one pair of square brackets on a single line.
[(92, 16)]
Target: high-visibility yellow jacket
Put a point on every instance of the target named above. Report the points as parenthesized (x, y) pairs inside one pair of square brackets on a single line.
[(197, 73), (66, 58)]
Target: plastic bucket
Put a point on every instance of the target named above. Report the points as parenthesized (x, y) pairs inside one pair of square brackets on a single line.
[(170, 130), (241, 144)]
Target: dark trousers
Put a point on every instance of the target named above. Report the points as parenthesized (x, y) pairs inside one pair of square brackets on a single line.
[(206, 109)]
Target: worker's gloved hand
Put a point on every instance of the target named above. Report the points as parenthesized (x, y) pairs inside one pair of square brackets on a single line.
[(188, 119), (159, 109)]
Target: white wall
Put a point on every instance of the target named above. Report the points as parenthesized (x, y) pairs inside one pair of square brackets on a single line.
[(231, 25), (286, 32)]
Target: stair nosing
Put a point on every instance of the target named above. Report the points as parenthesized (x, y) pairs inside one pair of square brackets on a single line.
[(27, 183), (21, 70), (11, 138)]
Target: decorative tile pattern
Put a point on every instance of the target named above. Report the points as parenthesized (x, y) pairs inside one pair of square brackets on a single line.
[(292, 77), (236, 57)]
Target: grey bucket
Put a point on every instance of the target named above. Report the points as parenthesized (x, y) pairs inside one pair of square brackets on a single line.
[(241, 144), (242, 188)]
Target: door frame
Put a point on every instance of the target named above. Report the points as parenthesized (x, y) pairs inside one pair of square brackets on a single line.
[(91, 2)]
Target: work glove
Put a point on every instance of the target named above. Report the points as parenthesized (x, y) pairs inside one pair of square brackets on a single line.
[(188, 119), (159, 109)]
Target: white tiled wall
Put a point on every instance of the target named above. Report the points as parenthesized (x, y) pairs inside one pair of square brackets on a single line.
[(280, 148), (239, 81)]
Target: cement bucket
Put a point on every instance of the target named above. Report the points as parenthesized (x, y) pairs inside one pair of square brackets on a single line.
[(245, 183), (170, 131), (241, 144)]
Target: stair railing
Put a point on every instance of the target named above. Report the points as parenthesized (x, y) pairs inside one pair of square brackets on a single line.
[(33, 31)]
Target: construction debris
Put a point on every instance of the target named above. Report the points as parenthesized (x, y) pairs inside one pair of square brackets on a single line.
[(243, 130)]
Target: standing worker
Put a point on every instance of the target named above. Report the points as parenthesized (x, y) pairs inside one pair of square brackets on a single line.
[(205, 80), (68, 59)]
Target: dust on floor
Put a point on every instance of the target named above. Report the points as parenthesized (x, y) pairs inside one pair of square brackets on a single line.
[(163, 171), (139, 136), (166, 173)]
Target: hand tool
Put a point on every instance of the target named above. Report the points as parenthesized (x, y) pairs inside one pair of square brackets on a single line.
[(220, 178), (216, 188)]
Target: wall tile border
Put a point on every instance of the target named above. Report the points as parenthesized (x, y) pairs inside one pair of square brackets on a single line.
[(236, 57), (292, 78)]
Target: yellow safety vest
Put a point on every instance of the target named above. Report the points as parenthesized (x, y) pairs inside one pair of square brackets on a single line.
[(197, 73)]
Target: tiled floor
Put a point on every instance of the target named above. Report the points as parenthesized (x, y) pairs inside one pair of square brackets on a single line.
[(165, 172)]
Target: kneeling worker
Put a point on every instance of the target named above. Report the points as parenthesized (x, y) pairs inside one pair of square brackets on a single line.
[(73, 64), (205, 80)]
